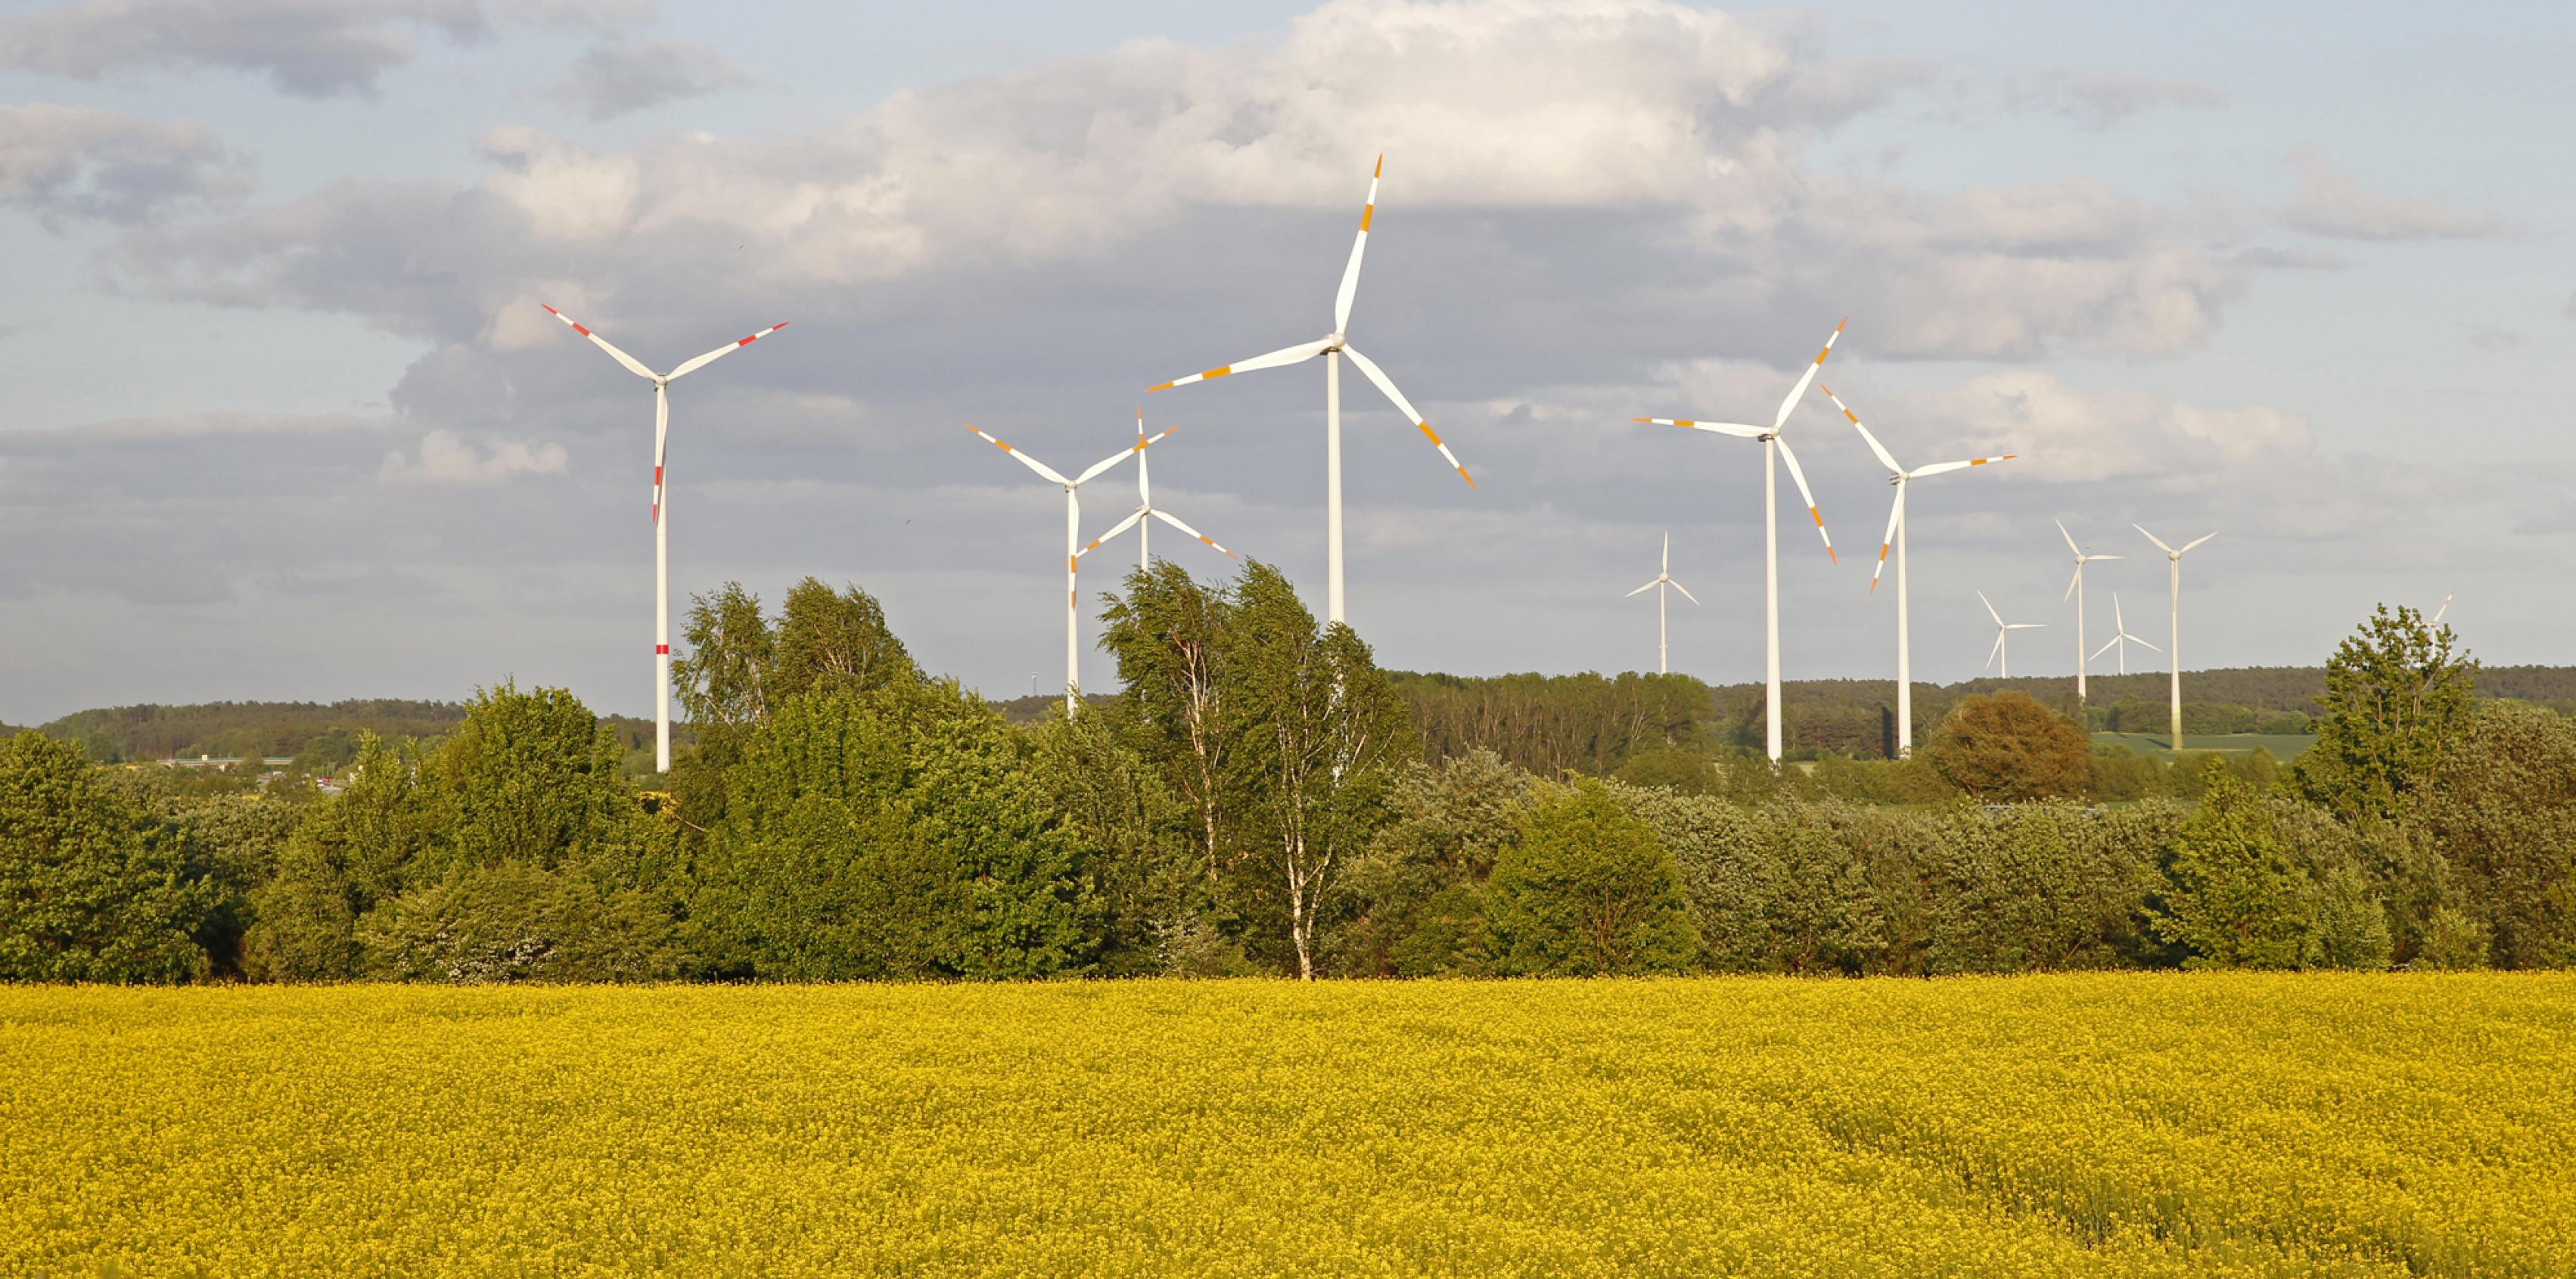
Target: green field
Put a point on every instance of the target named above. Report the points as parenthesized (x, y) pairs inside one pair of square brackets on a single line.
[(2284, 746), (2136, 1124)]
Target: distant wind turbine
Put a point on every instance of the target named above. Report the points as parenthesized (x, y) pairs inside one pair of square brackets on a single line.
[(1773, 443), (2003, 630), (1072, 545), (1898, 478), (2446, 607), (2075, 588), (1333, 346), (2122, 639), (2173, 657), (661, 514), (1146, 507), (1663, 664)]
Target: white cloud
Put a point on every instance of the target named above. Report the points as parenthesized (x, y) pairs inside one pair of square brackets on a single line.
[(445, 458), (64, 162), (2332, 202), (309, 48), (620, 77), (2099, 99)]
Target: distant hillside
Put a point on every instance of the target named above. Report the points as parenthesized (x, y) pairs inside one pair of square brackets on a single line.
[(313, 733), (1029, 710)]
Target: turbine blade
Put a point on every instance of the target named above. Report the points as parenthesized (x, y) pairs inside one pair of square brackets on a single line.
[(2445, 609), (1895, 516), (1359, 247), (632, 364), (1685, 592), (1025, 460), (723, 351), (1736, 429), (2025, 626), (1144, 473), (1369, 369), (2070, 540), (1285, 355), (2160, 542), (2186, 547), (2117, 622), (1643, 589), (1812, 513), (2149, 647), (2106, 647), (1990, 608), (1175, 521), (1996, 651), (1668, 561), (1142, 443), (661, 443), (1121, 527), (2070, 583), (2090, 558), (1874, 446), (1800, 390), (1944, 468)]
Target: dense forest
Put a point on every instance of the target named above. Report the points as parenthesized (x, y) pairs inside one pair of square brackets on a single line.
[(1261, 798)]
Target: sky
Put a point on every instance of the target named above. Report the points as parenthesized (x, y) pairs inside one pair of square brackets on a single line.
[(287, 420)]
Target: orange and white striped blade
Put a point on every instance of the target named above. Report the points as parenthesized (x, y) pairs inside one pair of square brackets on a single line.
[(632, 364), (1359, 247), (1122, 526), (1297, 354), (1810, 498), (1025, 460), (1175, 521), (1944, 468), (1737, 429), (1368, 369), (1884, 456), (725, 350), (1144, 473), (1895, 516), (1142, 443), (1800, 390)]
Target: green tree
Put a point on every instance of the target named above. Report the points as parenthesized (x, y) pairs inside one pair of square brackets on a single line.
[(2453, 942), (839, 641), (2231, 896), (1418, 891), (527, 777), (2501, 812), (86, 893), (2007, 747), (1174, 640), (1588, 890), (2351, 928), (345, 855), (2397, 694)]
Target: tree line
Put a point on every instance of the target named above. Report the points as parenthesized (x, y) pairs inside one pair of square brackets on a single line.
[(1261, 798)]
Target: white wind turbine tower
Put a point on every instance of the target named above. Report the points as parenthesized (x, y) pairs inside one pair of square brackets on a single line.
[(2003, 631), (2122, 639), (2075, 588), (1773, 444), (1663, 664), (1145, 496), (1072, 545), (1333, 346), (2173, 657), (1898, 478), (661, 514)]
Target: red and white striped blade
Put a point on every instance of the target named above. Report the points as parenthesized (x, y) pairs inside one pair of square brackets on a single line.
[(1810, 498), (632, 364), (1944, 468), (1141, 444), (1884, 456), (1175, 521), (1359, 247), (1800, 390), (1025, 460), (1737, 429), (1368, 369), (725, 350), (661, 444), (1297, 354)]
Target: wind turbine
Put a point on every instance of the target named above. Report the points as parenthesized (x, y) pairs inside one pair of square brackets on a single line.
[(1333, 346), (1145, 496), (2173, 658), (2076, 589), (1663, 665), (661, 522), (2446, 607), (1898, 478), (2003, 630), (1072, 542), (2123, 639), (1771, 444)]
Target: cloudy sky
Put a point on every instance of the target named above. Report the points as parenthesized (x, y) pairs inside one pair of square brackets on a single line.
[(286, 420)]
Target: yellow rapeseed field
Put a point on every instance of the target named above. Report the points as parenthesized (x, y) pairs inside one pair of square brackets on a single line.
[(2137, 1124)]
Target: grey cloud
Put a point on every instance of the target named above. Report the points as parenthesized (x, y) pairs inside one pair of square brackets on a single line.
[(620, 77), (64, 163), (2332, 202), (2099, 99), (308, 48), (2487, 337)]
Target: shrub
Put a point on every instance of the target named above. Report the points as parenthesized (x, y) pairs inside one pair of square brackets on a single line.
[(2007, 747), (1588, 890), (2453, 942), (2231, 896)]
